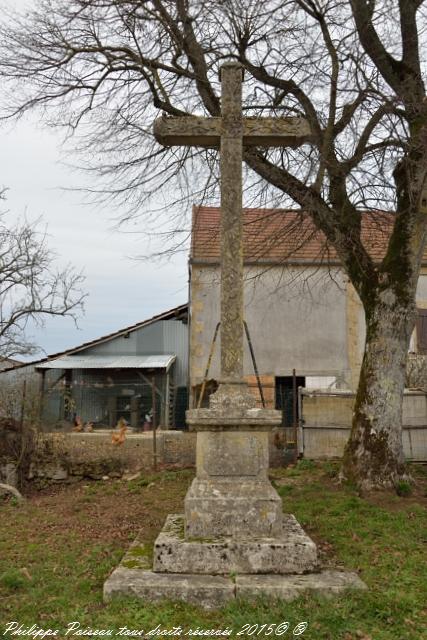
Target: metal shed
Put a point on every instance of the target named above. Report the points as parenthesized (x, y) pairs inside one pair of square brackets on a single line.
[(129, 374), (103, 389)]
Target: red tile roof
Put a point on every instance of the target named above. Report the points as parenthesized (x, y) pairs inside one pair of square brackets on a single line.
[(276, 235)]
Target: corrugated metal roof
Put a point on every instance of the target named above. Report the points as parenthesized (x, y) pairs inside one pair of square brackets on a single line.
[(110, 362), (167, 315)]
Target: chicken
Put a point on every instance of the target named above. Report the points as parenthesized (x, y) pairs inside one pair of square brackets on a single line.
[(119, 438), (78, 424)]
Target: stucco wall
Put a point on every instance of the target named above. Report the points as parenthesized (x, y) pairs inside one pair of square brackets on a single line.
[(302, 317), (296, 318)]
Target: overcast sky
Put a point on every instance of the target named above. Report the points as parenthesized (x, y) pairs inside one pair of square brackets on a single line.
[(121, 291)]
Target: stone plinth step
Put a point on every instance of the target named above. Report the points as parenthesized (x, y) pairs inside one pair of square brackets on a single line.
[(327, 583), (209, 592), (238, 506), (213, 592), (291, 552)]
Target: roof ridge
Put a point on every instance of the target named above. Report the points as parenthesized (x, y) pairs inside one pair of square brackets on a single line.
[(100, 340)]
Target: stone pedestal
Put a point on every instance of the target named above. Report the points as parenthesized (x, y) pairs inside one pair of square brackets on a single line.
[(231, 495), (221, 508), (233, 523), (134, 578), (292, 551)]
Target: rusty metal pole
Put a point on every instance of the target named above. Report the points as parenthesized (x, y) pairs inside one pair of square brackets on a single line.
[(208, 366), (251, 349), (153, 420), (294, 410)]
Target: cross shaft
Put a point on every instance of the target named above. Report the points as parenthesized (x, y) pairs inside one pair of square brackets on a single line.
[(230, 133)]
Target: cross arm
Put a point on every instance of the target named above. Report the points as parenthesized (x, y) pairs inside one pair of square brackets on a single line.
[(275, 132), (188, 131), (206, 132)]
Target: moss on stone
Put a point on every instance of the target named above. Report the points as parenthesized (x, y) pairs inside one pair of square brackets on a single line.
[(140, 551), (131, 564), (176, 527)]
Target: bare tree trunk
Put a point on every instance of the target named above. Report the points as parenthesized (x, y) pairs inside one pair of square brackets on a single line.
[(373, 456)]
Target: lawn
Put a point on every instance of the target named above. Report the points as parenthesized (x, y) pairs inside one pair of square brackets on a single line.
[(57, 549)]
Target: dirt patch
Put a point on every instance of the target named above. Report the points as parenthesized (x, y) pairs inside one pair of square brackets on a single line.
[(113, 510)]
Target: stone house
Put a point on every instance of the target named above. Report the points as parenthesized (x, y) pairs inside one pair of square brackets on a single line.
[(302, 312)]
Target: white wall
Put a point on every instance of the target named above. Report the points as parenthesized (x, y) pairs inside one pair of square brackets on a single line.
[(296, 318)]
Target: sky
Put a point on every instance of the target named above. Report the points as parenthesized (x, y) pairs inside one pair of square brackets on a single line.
[(121, 290)]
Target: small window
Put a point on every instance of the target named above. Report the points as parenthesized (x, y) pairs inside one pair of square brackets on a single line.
[(422, 331)]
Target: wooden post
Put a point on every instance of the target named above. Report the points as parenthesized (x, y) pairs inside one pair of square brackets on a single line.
[(22, 416), (154, 420), (42, 374), (166, 409)]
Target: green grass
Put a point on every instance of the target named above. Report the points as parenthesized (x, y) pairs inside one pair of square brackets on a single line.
[(384, 539)]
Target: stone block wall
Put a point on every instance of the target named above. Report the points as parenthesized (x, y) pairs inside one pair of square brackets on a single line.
[(73, 456)]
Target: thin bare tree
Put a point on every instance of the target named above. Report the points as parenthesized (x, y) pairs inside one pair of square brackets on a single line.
[(104, 69), (31, 288)]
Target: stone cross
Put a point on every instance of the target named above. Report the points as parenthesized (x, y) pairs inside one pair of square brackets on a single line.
[(233, 539), (231, 132)]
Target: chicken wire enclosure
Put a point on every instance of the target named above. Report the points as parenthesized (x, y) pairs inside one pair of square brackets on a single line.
[(102, 397)]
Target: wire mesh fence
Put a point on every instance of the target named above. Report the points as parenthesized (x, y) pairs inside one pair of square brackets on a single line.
[(103, 399)]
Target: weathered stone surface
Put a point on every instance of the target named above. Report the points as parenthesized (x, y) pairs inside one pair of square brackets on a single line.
[(214, 592), (225, 416), (325, 583), (138, 556), (206, 132), (235, 506), (231, 224), (210, 592), (49, 470), (232, 395), (292, 552), (232, 453), (60, 474), (9, 474)]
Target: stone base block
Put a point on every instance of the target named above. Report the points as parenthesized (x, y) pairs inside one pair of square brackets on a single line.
[(213, 592), (327, 583), (291, 552), (235, 508), (209, 592)]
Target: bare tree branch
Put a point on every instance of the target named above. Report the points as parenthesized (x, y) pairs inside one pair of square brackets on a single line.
[(30, 288)]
